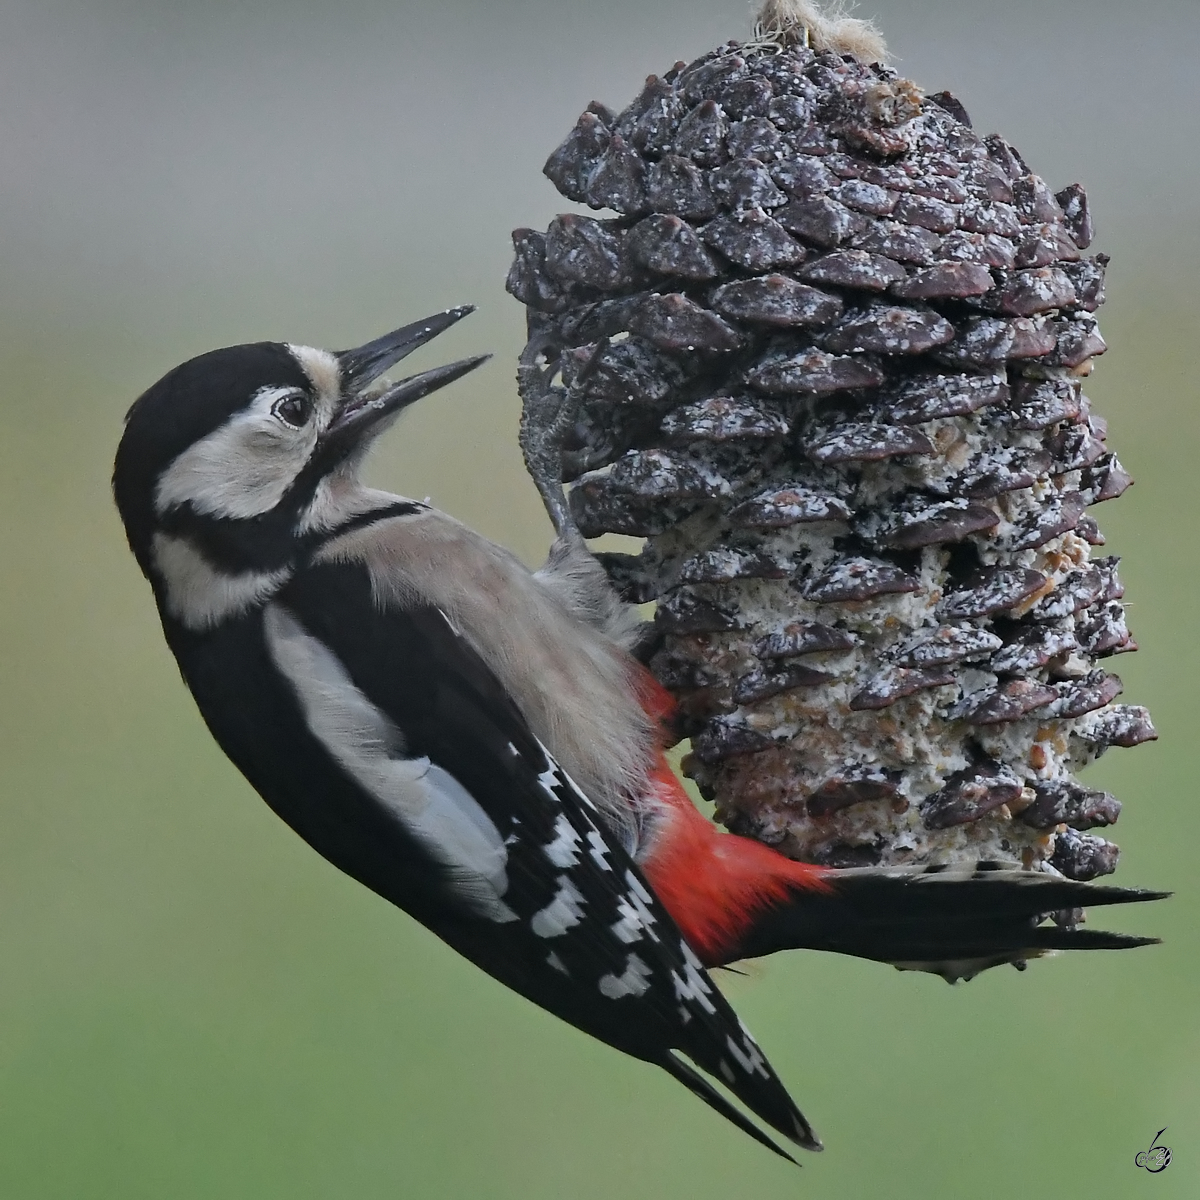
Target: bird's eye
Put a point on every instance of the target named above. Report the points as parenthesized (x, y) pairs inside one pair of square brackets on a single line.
[(293, 410)]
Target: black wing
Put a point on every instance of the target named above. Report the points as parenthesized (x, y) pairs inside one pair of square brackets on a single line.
[(531, 885)]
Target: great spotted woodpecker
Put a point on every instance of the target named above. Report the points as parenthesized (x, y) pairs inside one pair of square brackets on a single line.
[(473, 741)]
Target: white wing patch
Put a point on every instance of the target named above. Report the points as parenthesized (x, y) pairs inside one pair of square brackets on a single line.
[(633, 981), (549, 779), (563, 850), (564, 912), (637, 901), (554, 777), (428, 801), (199, 595), (598, 850), (751, 1059), (692, 985), (629, 927)]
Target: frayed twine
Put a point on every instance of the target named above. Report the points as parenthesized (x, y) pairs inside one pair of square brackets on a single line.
[(784, 23)]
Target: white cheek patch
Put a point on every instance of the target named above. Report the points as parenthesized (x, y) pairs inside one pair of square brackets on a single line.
[(244, 468), (429, 802), (199, 595)]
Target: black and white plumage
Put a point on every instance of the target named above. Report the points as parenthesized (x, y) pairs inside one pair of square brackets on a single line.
[(397, 718)]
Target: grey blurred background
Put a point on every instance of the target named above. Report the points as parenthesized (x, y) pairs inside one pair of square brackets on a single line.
[(192, 1004)]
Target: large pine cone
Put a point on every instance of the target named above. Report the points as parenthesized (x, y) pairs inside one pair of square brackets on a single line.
[(827, 360)]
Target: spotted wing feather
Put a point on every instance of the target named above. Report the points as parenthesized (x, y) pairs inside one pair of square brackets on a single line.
[(571, 922)]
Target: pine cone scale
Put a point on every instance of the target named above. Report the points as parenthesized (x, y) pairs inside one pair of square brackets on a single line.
[(828, 360)]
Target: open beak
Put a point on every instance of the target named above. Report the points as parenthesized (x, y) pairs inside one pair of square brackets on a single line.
[(362, 414)]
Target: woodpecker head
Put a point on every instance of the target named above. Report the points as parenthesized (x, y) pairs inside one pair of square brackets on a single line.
[(240, 450)]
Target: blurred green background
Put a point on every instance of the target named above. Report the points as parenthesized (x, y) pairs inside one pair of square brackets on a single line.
[(192, 1004)]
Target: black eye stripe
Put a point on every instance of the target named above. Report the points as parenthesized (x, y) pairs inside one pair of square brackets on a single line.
[(293, 410)]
